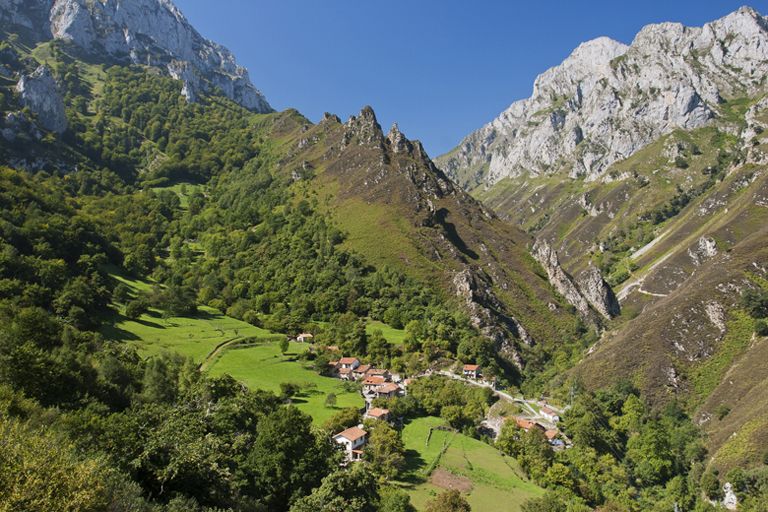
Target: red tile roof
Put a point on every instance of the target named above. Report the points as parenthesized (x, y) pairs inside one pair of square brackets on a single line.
[(524, 423), (347, 360), (345, 371), (352, 434), (471, 367), (377, 412), (547, 410), (374, 381), (377, 371), (551, 434), (362, 368), (388, 387)]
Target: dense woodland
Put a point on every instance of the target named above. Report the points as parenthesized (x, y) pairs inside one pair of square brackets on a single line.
[(112, 431)]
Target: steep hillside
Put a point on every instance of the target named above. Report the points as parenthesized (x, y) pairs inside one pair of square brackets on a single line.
[(399, 209), (648, 162)]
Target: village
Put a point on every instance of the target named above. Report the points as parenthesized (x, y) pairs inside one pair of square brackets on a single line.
[(380, 383)]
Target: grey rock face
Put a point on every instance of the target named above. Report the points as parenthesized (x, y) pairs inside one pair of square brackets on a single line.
[(148, 32), (588, 290), (559, 278), (39, 92), (598, 293), (704, 249), (607, 100), (475, 291)]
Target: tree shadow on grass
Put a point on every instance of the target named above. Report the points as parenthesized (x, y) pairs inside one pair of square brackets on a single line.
[(147, 323), (207, 315), (113, 332), (414, 463)]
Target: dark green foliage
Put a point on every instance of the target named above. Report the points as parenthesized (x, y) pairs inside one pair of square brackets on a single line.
[(448, 501), (395, 500), (352, 490), (385, 450), (755, 301), (343, 419), (462, 406), (624, 454), (135, 308)]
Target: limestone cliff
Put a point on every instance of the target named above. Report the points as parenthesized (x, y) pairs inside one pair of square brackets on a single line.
[(39, 92), (608, 100), (147, 32)]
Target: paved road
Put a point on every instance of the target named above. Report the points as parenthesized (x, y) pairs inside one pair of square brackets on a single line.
[(503, 395)]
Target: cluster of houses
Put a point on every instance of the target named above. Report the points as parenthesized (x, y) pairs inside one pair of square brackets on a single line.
[(376, 383), (551, 432)]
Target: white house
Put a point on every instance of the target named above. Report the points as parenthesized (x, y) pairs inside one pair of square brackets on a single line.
[(471, 371), (550, 414), (371, 384), (305, 337), (349, 362), (360, 372), (353, 440)]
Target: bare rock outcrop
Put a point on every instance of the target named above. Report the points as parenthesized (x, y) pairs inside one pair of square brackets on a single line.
[(560, 279), (39, 92), (598, 292), (588, 293)]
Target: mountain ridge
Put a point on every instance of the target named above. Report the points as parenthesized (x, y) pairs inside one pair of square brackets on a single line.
[(670, 76), (145, 32)]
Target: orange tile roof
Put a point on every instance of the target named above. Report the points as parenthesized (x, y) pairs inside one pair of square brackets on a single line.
[(388, 387), (524, 423), (347, 360), (345, 371), (352, 433), (376, 371), (471, 367), (374, 381), (362, 368), (377, 412), (551, 434)]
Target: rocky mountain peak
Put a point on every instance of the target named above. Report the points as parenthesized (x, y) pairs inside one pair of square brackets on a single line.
[(608, 100), (146, 32), (364, 128), (589, 60)]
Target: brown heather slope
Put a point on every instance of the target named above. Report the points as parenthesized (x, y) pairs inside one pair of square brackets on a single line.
[(398, 209), (696, 344)]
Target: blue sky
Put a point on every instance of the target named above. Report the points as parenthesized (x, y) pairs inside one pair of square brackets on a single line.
[(440, 68)]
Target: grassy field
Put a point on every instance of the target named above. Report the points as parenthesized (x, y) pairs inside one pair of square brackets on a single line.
[(264, 367), (392, 335), (183, 190), (195, 336), (490, 478)]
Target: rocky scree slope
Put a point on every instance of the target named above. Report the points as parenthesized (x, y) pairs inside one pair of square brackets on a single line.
[(145, 32), (607, 100)]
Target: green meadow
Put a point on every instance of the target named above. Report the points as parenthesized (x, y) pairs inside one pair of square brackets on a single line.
[(392, 335), (195, 337), (262, 366), (488, 478)]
